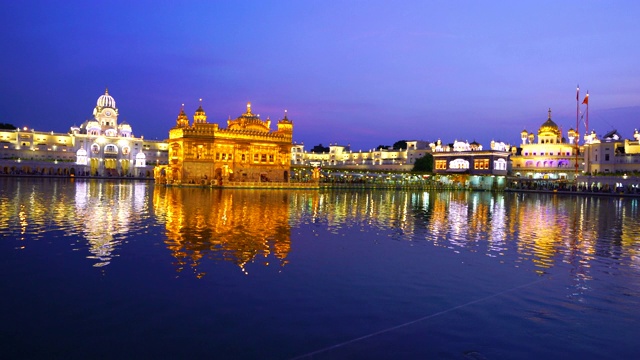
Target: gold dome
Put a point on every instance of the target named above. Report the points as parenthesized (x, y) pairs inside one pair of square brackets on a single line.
[(549, 127)]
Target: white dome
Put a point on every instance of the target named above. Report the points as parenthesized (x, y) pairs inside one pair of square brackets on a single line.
[(81, 152), (93, 125), (106, 100), (140, 156)]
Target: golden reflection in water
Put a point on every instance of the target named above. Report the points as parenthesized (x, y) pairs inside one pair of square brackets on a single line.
[(241, 226)]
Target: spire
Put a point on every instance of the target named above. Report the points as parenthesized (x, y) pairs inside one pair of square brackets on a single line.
[(549, 114), (200, 117), (182, 120), (106, 90), (248, 107)]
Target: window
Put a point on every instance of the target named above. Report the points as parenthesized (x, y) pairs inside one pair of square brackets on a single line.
[(110, 149), (264, 158), (481, 164), (459, 164), (441, 164), (606, 157)]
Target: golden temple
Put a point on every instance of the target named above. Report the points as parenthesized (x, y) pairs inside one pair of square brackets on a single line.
[(245, 151)]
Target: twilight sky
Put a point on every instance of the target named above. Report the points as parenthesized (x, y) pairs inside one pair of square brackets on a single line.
[(350, 72)]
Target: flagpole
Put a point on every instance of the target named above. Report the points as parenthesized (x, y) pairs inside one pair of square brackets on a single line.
[(575, 175), (587, 124)]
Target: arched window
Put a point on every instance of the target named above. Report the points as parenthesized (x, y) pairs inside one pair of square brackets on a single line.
[(110, 149), (81, 157), (459, 164)]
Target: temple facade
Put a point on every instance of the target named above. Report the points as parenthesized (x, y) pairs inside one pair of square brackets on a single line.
[(611, 154), (550, 156), (245, 151), (100, 146)]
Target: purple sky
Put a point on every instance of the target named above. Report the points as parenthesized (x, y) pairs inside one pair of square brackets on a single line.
[(353, 72)]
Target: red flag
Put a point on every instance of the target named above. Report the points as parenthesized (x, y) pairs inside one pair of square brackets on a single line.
[(586, 99)]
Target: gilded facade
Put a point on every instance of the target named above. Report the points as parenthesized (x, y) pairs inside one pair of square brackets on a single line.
[(245, 151)]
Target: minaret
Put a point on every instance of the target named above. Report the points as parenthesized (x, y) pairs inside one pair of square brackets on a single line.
[(200, 117), (183, 120)]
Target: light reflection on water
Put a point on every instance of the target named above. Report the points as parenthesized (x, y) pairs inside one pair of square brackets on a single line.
[(244, 226), (254, 274)]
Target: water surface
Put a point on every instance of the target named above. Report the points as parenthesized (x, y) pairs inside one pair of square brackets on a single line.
[(104, 269)]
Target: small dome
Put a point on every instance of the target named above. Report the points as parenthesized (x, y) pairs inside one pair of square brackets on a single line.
[(106, 100), (140, 156), (81, 152), (200, 111), (93, 124), (124, 126)]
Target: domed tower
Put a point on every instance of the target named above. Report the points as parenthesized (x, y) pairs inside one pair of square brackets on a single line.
[(183, 120), (523, 136), (285, 125), (549, 133), (106, 112), (124, 129), (573, 135), (199, 117)]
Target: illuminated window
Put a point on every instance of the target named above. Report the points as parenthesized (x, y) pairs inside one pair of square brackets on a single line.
[(459, 164), (256, 157), (264, 157), (500, 164), (270, 158), (217, 156), (110, 149), (441, 164)]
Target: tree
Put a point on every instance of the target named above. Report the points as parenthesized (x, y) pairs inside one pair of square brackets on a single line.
[(6, 126), (400, 145), (319, 149), (424, 164), (381, 147)]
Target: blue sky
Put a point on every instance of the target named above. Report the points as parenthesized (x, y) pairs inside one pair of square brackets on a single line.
[(350, 72)]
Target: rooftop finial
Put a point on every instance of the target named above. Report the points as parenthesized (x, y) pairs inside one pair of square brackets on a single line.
[(106, 90), (249, 107), (549, 113)]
